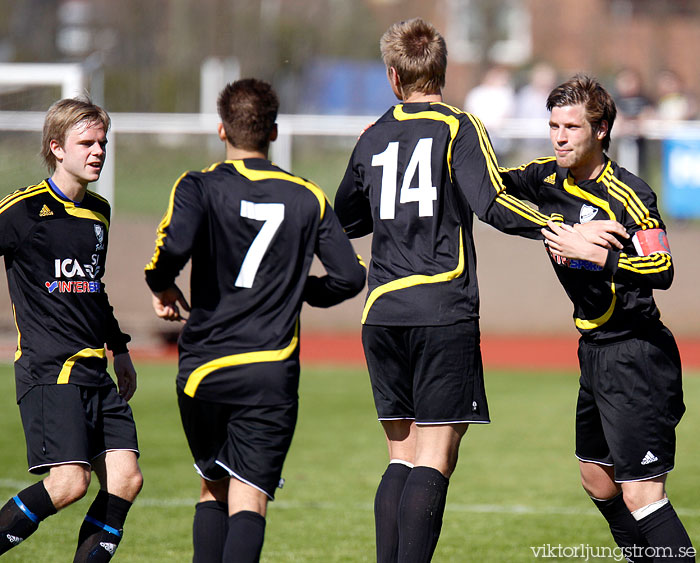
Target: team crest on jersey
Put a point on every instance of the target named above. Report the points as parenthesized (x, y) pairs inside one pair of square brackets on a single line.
[(100, 236), (587, 213)]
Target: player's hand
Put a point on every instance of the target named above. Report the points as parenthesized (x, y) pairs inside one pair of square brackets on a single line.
[(603, 233), (563, 240), (167, 303), (126, 375)]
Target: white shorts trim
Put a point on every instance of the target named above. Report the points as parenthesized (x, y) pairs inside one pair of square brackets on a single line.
[(242, 480), (593, 461), (76, 462), (443, 423)]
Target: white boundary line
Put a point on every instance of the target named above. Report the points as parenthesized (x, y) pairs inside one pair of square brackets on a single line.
[(367, 507)]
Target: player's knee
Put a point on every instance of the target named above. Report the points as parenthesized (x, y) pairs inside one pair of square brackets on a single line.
[(67, 484), (130, 484)]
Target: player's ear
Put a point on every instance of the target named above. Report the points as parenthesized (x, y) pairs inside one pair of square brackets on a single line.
[(56, 149), (602, 130), (221, 131), (274, 133)]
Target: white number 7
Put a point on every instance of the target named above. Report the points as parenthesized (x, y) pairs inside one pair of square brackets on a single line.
[(272, 215)]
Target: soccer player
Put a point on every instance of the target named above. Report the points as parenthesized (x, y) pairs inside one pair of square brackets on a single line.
[(630, 397), (251, 230), (54, 239), (415, 179)]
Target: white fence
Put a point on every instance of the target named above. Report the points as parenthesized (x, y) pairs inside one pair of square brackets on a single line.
[(322, 125)]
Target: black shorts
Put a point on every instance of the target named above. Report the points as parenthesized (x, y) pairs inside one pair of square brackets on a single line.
[(430, 374), (74, 424), (247, 442), (630, 402)]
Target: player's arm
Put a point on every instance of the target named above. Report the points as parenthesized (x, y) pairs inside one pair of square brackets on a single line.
[(476, 173), (351, 202), (524, 182), (345, 272), (174, 241)]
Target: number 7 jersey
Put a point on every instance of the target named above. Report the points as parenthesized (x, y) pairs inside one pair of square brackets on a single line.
[(415, 179), (251, 230)]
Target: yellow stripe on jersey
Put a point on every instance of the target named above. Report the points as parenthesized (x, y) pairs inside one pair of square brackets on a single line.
[(64, 374), (507, 201), (653, 264), (164, 222), (628, 197), (78, 211), (584, 324), (17, 196), (244, 358), (450, 120), (571, 187), (414, 280), (489, 155), (257, 175), (18, 352)]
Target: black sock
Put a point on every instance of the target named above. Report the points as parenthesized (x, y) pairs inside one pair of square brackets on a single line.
[(244, 539), (624, 528), (20, 516), (386, 511), (420, 514), (102, 530), (663, 529), (209, 531)]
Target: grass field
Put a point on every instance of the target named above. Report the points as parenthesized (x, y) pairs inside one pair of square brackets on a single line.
[(516, 485)]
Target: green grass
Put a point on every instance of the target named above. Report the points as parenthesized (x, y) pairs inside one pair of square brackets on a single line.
[(516, 484)]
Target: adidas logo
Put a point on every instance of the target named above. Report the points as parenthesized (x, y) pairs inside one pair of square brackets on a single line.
[(45, 211), (649, 458), (14, 540), (551, 178), (109, 547)]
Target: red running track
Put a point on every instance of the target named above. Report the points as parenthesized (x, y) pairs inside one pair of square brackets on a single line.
[(499, 352)]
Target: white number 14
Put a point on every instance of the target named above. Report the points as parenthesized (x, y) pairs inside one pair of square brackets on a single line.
[(425, 193)]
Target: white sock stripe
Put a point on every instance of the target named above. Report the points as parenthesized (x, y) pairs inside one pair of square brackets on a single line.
[(401, 462), (649, 509)]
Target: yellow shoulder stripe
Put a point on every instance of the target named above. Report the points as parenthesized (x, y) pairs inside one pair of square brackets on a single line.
[(259, 356), (17, 196), (628, 197), (257, 175), (78, 211), (418, 279), (450, 120)]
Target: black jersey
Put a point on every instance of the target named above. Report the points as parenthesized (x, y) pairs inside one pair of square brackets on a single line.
[(251, 230), (55, 254), (616, 300), (415, 179)]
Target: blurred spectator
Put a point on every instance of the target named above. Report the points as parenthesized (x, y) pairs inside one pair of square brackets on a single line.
[(673, 101), (531, 103), (633, 106), (493, 101), (531, 99), (632, 102)]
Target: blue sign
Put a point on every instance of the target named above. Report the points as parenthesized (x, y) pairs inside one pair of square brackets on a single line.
[(681, 178)]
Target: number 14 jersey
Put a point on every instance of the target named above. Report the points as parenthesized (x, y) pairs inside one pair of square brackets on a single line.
[(415, 179)]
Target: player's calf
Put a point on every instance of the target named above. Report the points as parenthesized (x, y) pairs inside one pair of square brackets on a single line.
[(21, 515)]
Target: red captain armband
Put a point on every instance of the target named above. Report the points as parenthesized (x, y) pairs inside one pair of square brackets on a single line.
[(650, 241)]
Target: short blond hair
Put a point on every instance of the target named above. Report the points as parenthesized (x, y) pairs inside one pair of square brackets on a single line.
[(64, 115), (418, 53)]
